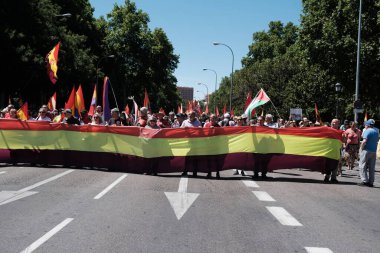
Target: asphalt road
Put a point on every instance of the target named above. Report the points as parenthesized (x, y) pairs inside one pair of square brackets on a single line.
[(78, 210)]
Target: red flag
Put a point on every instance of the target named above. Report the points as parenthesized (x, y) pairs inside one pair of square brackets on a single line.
[(52, 63), (79, 100), (224, 109), (365, 116), (70, 104), (232, 112), (248, 101), (52, 102), (217, 111), (22, 113), (127, 111), (206, 110), (146, 99), (93, 102), (317, 114)]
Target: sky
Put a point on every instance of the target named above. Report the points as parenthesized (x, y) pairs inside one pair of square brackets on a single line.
[(193, 25)]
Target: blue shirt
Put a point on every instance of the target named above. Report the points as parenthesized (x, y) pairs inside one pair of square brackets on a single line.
[(372, 136)]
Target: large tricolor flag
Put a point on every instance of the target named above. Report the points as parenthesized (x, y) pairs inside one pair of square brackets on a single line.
[(146, 99), (93, 103), (52, 102), (260, 99), (106, 103), (52, 63), (22, 113), (70, 104), (79, 101)]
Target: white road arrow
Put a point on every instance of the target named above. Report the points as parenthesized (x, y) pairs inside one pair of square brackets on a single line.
[(181, 200), (10, 196)]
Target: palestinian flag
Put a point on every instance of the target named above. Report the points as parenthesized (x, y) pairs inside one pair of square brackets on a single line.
[(260, 99)]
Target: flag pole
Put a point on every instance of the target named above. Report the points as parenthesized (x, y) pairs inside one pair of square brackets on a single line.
[(275, 108), (117, 106)]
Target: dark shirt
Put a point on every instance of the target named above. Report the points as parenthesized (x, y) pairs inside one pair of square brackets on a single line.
[(71, 121), (118, 122)]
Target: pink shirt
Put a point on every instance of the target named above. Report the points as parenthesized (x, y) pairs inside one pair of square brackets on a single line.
[(352, 136)]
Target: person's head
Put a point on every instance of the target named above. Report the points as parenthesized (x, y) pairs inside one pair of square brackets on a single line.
[(240, 121), (347, 123), (260, 121), (269, 118), (160, 116), (192, 115), (353, 125), (281, 122), (99, 109), (115, 113), (180, 117), (13, 113), (369, 123), (213, 119), (171, 116), (45, 107), (227, 116), (143, 112), (335, 123), (252, 122), (42, 112), (165, 119), (152, 121), (68, 113), (84, 114), (55, 112), (97, 119)]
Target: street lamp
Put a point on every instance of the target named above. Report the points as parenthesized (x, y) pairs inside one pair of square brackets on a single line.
[(338, 89), (358, 60), (216, 76), (232, 72), (204, 94), (97, 73), (207, 91), (64, 15)]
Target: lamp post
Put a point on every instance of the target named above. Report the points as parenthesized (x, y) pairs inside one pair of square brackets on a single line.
[(64, 15), (358, 60), (338, 89), (97, 73), (216, 77), (232, 72), (207, 91)]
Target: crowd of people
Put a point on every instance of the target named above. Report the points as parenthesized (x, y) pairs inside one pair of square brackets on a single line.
[(355, 141)]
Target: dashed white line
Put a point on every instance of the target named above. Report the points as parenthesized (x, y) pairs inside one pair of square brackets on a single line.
[(250, 183), (317, 250), (47, 236), (45, 181), (283, 216), (2, 172), (110, 186), (263, 196)]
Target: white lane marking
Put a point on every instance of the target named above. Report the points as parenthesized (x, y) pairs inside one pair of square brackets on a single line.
[(47, 236), (250, 183), (317, 250), (10, 196), (183, 184), (263, 196), (283, 216), (2, 172), (110, 186), (45, 181), (181, 200)]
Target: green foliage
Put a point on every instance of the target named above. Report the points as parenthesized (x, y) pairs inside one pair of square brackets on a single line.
[(299, 66), (144, 58)]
